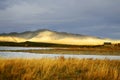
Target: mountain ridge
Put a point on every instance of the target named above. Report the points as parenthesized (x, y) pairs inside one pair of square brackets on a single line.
[(49, 36)]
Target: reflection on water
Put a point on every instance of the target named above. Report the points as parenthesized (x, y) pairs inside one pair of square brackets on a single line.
[(49, 50), (33, 55), (21, 48), (52, 53)]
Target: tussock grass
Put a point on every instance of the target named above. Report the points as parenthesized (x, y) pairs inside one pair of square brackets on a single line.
[(59, 69)]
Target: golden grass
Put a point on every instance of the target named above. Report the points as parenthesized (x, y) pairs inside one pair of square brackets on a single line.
[(59, 69)]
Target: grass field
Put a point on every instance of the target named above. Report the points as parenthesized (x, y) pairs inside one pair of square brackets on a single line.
[(59, 69)]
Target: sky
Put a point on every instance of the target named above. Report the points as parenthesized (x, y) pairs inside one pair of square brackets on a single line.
[(89, 17)]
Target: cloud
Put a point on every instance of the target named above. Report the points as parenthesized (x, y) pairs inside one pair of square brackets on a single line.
[(90, 16)]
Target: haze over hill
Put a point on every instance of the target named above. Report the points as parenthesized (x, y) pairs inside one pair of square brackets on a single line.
[(48, 36)]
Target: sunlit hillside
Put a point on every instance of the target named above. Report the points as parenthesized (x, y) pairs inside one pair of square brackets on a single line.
[(48, 36)]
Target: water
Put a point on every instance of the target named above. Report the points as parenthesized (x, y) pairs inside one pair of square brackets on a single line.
[(21, 48), (34, 55)]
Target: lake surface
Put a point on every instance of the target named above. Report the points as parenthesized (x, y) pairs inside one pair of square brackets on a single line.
[(4, 54), (34, 55), (21, 48)]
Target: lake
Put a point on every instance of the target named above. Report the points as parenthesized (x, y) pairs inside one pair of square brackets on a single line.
[(21, 48), (4, 54)]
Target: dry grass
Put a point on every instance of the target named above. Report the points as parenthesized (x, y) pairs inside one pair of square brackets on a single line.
[(59, 69)]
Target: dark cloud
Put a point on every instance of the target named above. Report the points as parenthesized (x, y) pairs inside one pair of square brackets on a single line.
[(3, 4), (94, 17)]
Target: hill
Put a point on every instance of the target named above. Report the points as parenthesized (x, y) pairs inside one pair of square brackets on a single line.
[(48, 36)]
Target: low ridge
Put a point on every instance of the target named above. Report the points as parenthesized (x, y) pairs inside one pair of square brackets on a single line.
[(48, 36)]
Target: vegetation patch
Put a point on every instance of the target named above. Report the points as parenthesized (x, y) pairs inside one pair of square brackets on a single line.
[(59, 69)]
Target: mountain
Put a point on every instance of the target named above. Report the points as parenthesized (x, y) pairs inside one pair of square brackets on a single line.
[(48, 36)]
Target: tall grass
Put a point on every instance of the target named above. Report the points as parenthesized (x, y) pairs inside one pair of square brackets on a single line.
[(59, 69)]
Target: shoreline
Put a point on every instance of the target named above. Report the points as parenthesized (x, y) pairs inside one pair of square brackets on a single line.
[(69, 51), (109, 49)]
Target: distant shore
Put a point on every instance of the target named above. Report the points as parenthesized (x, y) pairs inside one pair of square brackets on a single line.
[(65, 49), (42, 44)]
